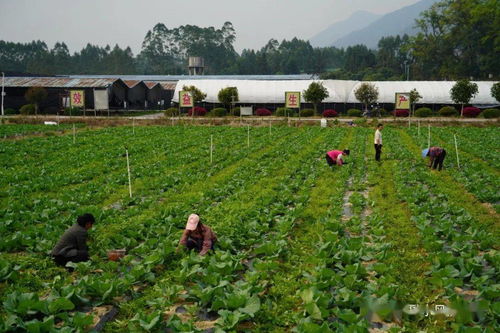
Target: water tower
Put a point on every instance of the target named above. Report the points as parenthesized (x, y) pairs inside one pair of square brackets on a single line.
[(196, 66)]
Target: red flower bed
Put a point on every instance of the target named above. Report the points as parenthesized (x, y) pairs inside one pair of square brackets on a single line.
[(263, 112), (198, 111), (401, 113), (471, 112), (330, 113)]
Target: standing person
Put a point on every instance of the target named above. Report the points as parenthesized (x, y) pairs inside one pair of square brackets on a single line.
[(197, 236), (378, 142), (335, 157), (436, 157), (72, 246)]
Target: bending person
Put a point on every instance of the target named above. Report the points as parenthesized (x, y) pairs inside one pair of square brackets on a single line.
[(72, 246), (197, 236), (436, 157), (335, 157)]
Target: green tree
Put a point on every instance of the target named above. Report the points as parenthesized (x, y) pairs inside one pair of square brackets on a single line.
[(367, 94), (315, 94), (414, 98), (196, 93), (462, 92), (36, 95), (359, 57), (227, 96), (495, 91)]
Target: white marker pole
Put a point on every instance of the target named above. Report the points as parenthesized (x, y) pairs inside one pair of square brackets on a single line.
[(128, 169), (211, 148), (429, 136), (248, 136), (74, 134), (456, 149), (133, 126)]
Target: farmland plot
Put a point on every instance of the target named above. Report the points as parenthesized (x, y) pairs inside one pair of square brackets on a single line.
[(302, 246)]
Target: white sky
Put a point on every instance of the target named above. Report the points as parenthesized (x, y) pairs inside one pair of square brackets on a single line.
[(125, 22)]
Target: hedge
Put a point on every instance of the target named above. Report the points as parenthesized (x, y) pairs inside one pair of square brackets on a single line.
[(218, 112), (448, 111), (423, 112), (330, 113), (283, 112), (307, 113), (401, 113), (491, 113), (171, 112), (27, 109), (10, 111), (471, 112), (198, 111), (354, 113), (262, 112)]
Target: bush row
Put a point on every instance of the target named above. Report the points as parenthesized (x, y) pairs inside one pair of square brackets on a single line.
[(446, 111)]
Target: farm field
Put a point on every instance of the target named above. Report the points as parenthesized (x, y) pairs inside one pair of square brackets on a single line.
[(301, 246)]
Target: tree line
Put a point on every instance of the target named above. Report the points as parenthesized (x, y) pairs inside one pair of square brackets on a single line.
[(456, 39)]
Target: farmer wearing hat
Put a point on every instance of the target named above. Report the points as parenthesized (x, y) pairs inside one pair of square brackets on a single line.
[(436, 156), (335, 157), (197, 236)]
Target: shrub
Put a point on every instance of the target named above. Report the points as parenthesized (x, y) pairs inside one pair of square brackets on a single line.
[(283, 112), (448, 111), (27, 109), (218, 112), (401, 113), (263, 112), (491, 113), (198, 111), (330, 113), (471, 112), (171, 112), (10, 111), (354, 113), (236, 111), (73, 111), (307, 113), (423, 112), (383, 112)]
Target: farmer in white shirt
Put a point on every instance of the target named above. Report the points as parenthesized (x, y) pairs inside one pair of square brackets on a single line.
[(378, 142)]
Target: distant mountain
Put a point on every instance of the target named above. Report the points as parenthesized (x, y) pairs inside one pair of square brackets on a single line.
[(398, 22), (356, 21)]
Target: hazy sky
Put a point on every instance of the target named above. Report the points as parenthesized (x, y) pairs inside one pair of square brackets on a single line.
[(125, 22)]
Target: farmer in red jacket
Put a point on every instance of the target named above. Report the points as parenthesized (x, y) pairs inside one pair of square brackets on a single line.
[(436, 157), (335, 157), (197, 236)]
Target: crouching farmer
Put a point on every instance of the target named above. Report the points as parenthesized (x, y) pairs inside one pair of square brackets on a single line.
[(72, 245), (336, 157), (436, 157), (197, 236)]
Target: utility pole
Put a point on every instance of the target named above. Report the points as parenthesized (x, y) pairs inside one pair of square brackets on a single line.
[(3, 92)]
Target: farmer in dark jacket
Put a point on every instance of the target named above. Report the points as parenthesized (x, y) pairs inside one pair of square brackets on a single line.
[(436, 157), (73, 243), (197, 236)]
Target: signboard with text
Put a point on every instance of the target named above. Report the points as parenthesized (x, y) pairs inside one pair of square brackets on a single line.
[(185, 99), (402, 101), (292, 99), (77, 98)]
